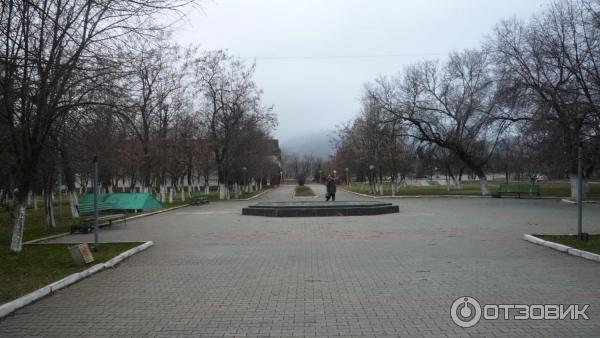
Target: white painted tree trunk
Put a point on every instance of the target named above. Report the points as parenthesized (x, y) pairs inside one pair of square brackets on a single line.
[(35, 203), (575, 187), (29, 198), (171, 195), (483, 184), (162, 193), (16, 244), (182, 194), (206, 189), (73, 202), (49, 211), (223, 191)]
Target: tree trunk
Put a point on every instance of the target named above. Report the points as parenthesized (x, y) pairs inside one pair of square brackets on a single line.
[(73, 203), (49, 211), (16, 244), (223, 191), (35, 203), (483, 184), (182, 194), (575, 186), (171, 195)]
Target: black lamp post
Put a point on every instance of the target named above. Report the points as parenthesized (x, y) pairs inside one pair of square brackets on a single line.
[(371, 177), (96, 226)]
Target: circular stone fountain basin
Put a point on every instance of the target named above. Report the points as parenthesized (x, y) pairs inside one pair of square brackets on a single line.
[(320, 208)]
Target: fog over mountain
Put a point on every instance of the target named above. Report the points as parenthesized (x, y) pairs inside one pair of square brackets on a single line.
[(315, 143)]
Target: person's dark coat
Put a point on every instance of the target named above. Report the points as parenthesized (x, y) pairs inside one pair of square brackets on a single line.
[(331, 186)]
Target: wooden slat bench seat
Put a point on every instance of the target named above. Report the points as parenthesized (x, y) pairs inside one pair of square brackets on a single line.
[(86, 216)]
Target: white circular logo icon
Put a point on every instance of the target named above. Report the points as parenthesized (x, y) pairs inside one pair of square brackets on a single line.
[(465, 312)]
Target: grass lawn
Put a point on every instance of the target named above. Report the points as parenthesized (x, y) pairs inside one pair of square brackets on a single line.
[(592, 245), (553, 189), (41, 264), (304, 191)]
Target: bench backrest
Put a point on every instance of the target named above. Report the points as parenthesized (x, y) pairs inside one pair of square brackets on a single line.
[(88, 208), (519, 187)]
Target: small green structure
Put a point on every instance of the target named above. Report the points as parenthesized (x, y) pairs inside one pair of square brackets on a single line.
[(125, 201)]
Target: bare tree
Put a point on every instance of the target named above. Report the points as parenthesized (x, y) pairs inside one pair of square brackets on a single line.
[(50, 62), (230, 102), (451, 106), (550, 64)]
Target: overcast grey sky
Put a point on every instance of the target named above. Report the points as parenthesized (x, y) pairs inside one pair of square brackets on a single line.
[(313, 56)]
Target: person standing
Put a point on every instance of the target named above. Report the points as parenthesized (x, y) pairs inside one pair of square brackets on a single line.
[(331, 188)]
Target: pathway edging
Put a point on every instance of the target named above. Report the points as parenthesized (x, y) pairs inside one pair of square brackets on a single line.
[(253, 197), (415, 196), (438, 196), (568, 201), (10, 307), (63, 234), (562, 248)]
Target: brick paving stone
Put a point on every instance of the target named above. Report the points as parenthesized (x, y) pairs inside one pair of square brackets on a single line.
[(214, 272)]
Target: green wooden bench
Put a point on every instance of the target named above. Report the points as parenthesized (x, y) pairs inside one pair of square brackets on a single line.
[(519, 189), (199, 199), (86, 216)]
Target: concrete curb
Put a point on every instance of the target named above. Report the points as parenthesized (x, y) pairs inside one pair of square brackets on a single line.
[(416, 196), (10, 307), (568, 201), (562, 248), (35, 241), (253, 197), (444, 196), (155, 212), (63, 234)]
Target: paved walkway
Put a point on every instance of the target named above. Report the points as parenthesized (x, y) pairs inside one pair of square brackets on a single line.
[(214, 272)]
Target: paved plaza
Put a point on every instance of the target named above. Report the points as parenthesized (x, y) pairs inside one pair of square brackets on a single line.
[(214, 272)]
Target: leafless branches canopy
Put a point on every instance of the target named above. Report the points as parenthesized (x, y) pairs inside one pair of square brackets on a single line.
[(526, 98), (80, 79)]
